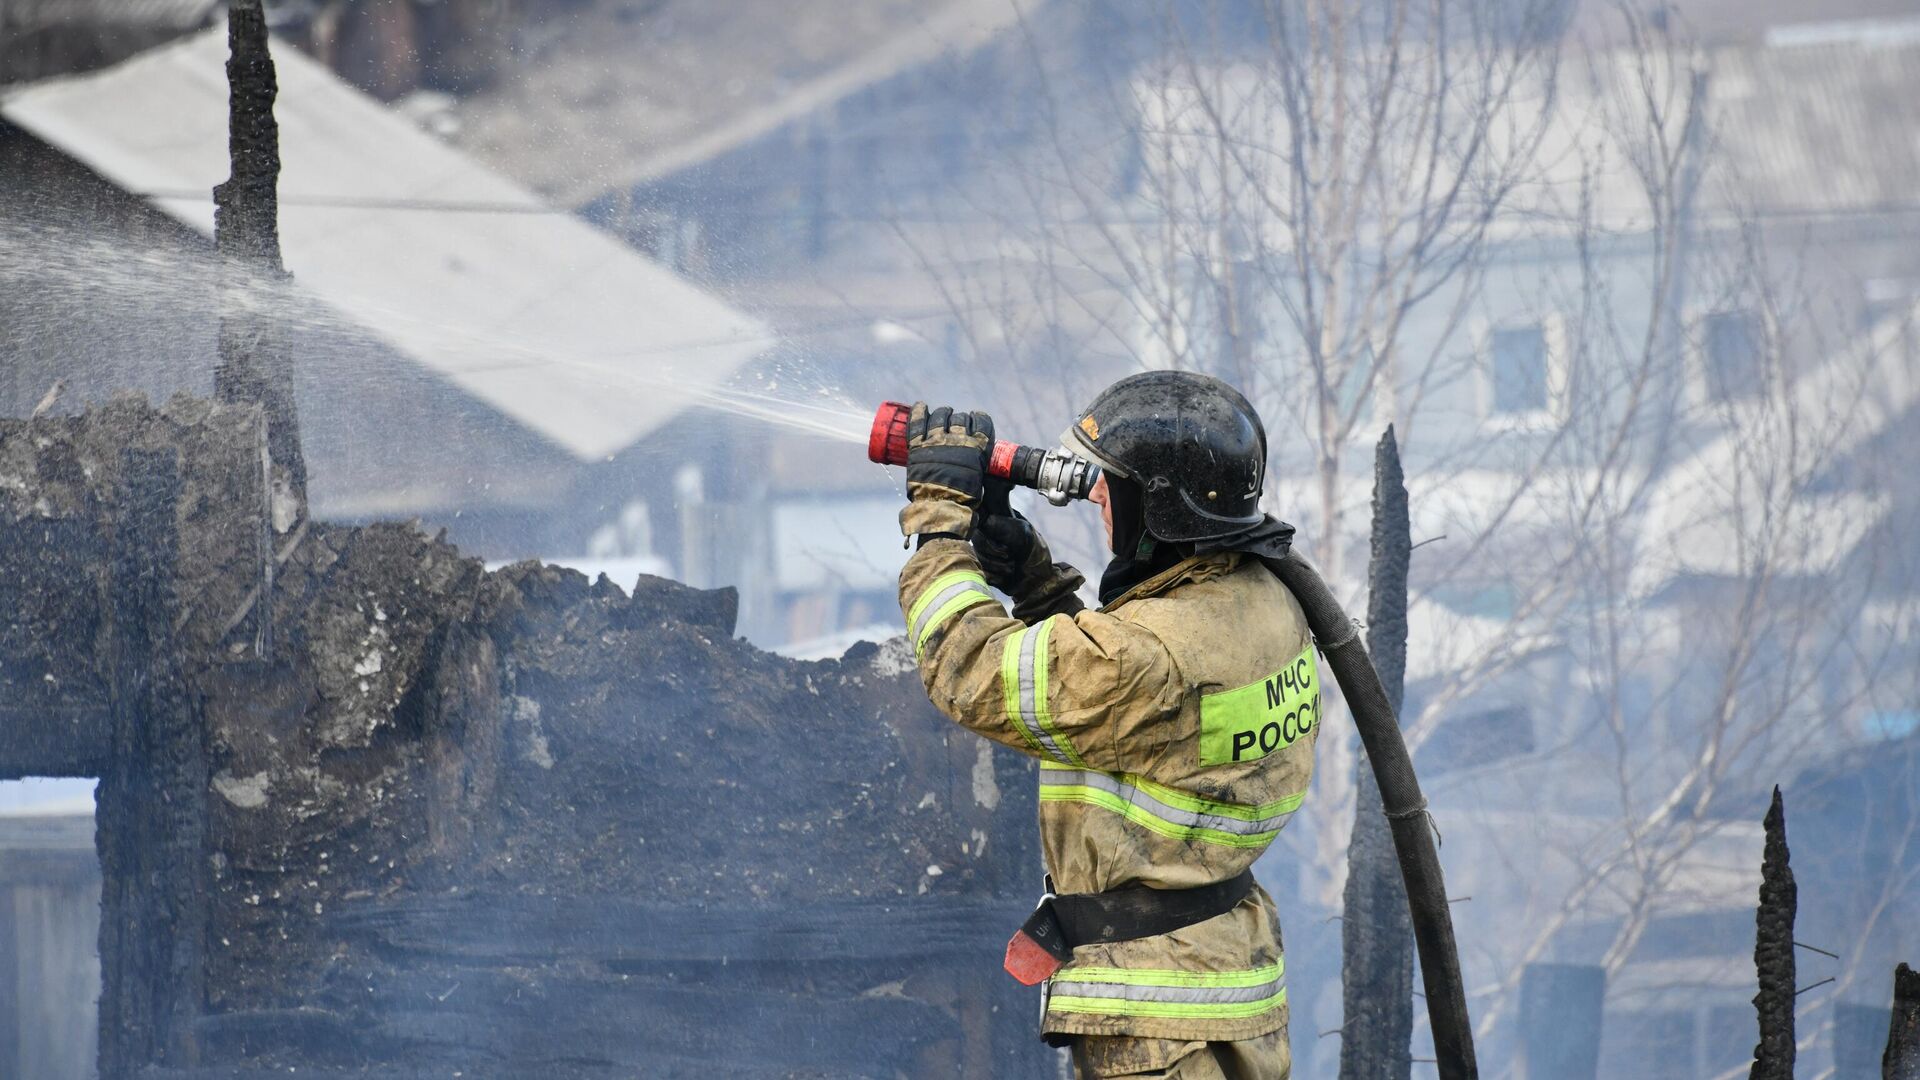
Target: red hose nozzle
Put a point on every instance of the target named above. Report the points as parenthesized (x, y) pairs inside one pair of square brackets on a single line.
[(1054, 473), (887, 443)]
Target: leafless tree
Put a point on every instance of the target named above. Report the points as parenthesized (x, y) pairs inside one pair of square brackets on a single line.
[(1317, 211), (1280, 209), (1696, 561)]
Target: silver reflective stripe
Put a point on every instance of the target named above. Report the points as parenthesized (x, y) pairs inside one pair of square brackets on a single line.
[(1192, 819), (938, 603), (1066, 985), (1029, 701)]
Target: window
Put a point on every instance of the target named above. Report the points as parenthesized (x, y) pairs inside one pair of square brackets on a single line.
[(1887, 298), (1652, 1045), (1131, 163), (1517, 365), (1240, 328), (1358, 379), (1463, 742), (1496, 600), (1732, 349), (1225, 325), (1890, 725), (49, 928)]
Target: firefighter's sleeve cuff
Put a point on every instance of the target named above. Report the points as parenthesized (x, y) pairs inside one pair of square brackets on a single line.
[(922, 516)]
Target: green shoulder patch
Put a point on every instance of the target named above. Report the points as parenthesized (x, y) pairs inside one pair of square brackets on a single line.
[(1249, 722)]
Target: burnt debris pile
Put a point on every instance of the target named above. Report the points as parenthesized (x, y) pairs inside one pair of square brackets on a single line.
[(365, 804)]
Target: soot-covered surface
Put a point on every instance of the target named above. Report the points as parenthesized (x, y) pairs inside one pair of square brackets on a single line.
[(494, 824)]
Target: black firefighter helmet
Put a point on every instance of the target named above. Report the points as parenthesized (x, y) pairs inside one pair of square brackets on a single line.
[(1192, 447)]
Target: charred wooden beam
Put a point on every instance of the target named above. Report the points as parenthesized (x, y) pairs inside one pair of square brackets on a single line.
[(53, 740), (1377, 931), (247, 206), (151, 808), (1902, 1058), (1773, 952), (254, 364)]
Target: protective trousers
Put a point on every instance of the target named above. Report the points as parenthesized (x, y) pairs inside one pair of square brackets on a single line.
[(1264, 1057)]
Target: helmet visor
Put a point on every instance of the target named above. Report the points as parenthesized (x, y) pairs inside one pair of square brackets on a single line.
[(1074, 441)]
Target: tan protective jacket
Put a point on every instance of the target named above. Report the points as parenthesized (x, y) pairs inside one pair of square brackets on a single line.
[(1175, 731)]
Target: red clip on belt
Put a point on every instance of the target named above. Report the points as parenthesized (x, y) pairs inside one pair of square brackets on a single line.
[(1047, 940), (1039, 947)]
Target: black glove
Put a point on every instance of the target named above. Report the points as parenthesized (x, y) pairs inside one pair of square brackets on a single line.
[(1003, 540), (1014, 558), (946, 470)]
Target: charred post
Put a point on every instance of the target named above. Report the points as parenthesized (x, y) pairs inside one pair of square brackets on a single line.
[(151, 803), (253, 358), (1773, 952), (247, 206), (1902, 1058), (1377, 932)]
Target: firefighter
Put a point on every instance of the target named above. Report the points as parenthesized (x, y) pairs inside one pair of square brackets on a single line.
[(1174, 724)]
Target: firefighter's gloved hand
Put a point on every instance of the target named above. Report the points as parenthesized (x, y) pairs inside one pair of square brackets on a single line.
[(946, 470), (1003, 544), (1014, 558)]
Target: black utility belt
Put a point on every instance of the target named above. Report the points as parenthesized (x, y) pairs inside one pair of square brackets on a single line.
[(1047, 940)]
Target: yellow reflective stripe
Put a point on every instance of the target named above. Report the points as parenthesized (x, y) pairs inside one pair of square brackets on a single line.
[(1171, 977), (949, 595), (947, 611), (1023, 682), (1225, 1010), (1157, 992), (1143, 818), (939, 585), (1010, 687), (1163, 810), (1185, 801), (1042, 714)]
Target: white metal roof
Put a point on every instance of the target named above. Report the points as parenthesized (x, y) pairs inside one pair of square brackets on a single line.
[(559, 326)]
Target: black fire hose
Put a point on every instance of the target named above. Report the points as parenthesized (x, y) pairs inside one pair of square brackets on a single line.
[(1406, 808)]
